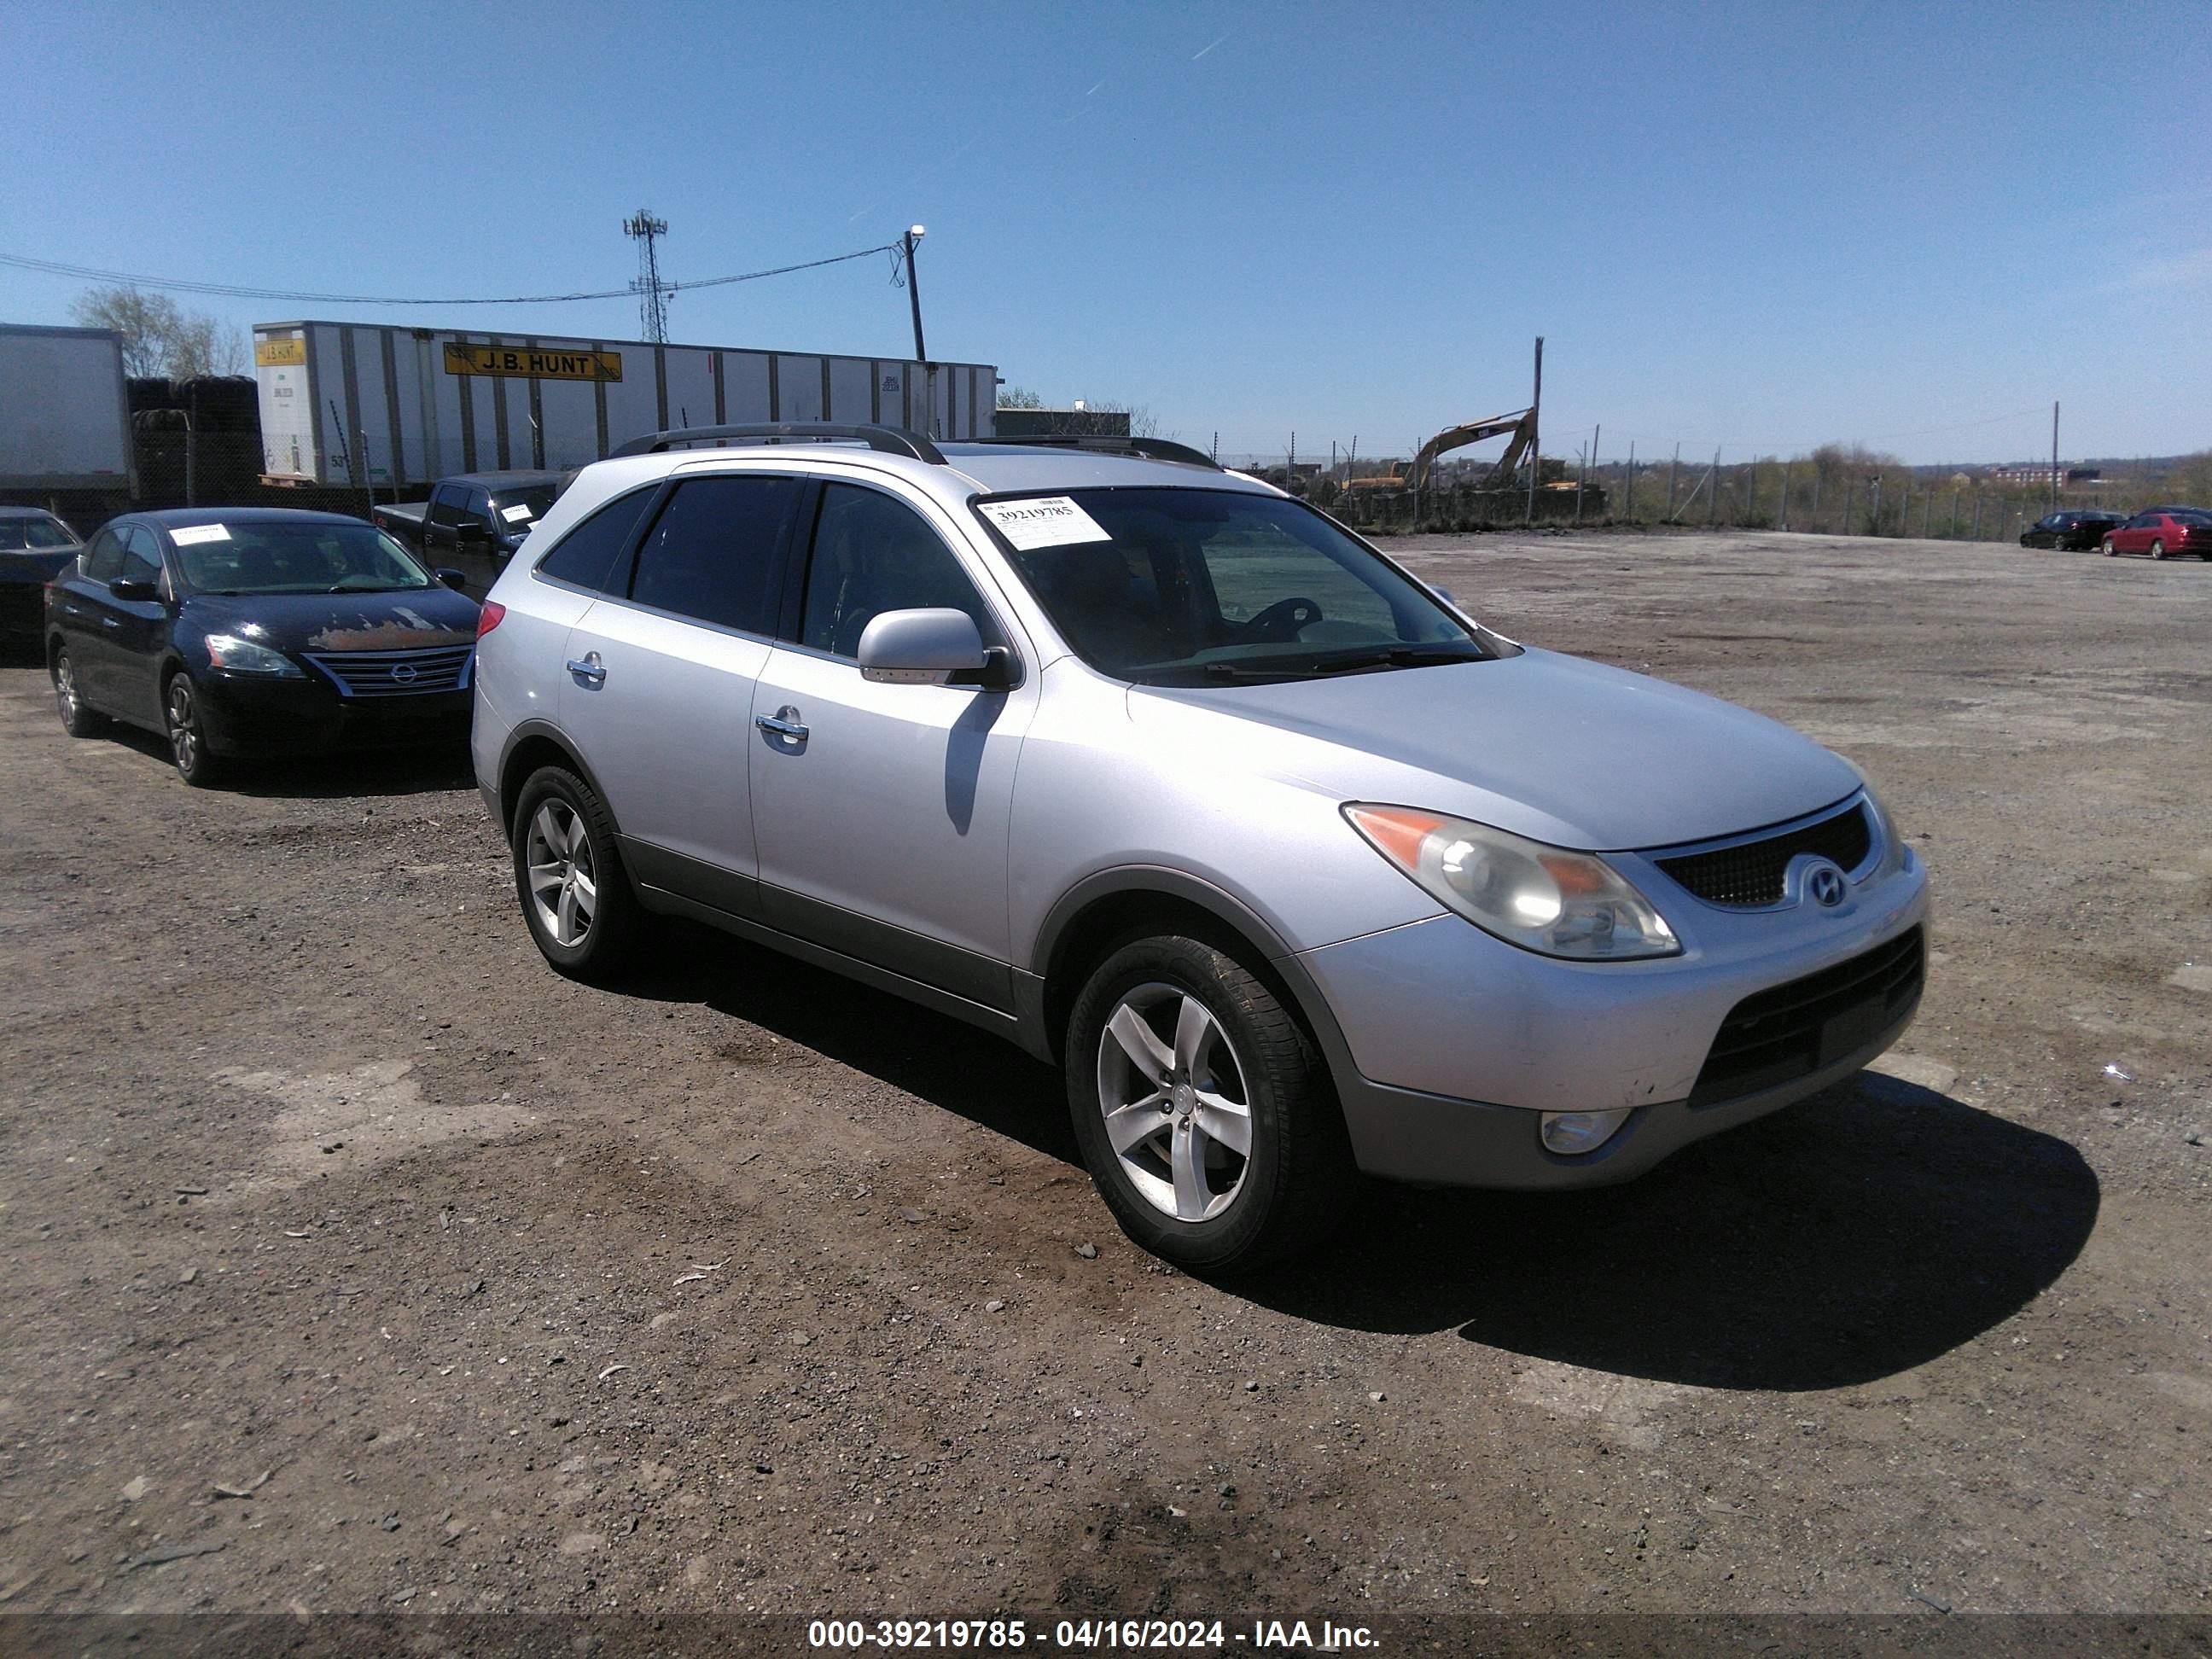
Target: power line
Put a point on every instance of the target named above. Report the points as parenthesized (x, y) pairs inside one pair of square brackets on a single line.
[(238, 291)]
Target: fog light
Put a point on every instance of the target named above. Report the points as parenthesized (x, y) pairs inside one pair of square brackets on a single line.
[(1569, 1133)]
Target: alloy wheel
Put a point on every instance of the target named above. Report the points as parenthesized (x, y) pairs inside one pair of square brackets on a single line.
[(2158, 549), (66, 690), (563, 879), (1173, 1096), (185, 740)]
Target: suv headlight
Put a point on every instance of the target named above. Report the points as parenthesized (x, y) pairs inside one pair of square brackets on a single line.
[(1544, 899), (245, 656)]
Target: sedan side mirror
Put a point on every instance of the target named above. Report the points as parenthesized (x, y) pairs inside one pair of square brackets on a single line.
[(124, 588), (920, 647), (455, 579), (1443, 594)]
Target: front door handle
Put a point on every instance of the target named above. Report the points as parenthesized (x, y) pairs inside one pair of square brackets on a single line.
[(784, 723), (110, 622), (589, 669)]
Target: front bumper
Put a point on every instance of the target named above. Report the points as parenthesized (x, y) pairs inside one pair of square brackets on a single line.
[(1453, 1042), (251, 716)]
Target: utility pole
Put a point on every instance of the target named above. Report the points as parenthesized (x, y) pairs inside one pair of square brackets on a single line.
[(913, 234), (1713, 497), (1629, 511), (1581, 477), (1594, 431), (1535, 442), (1784, 523), (1350, 456), (1671, 467), (653, 303), (2054, 455)]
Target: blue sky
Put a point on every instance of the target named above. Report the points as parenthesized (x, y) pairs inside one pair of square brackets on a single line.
[(1762, 227)]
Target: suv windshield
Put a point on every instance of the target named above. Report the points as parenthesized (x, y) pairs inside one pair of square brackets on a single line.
[(293, 558), (1189, 587), (34, 535)]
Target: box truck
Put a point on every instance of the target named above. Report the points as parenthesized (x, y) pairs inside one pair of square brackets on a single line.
[(65, 420), (382, 407)]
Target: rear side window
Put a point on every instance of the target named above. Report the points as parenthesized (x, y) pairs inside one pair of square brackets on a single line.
[(586, 555), (713, 554)]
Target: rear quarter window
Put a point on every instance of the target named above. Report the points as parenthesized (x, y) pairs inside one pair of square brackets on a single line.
[(587, 556)]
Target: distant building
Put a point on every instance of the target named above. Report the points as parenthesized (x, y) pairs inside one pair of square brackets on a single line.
[(2046, 474)]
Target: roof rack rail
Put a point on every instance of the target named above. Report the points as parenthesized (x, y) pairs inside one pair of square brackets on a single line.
[(891, 440), (1152, 449)]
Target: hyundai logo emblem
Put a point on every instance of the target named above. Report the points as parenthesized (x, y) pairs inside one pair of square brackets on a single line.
[(404, 673), (1826, 883)]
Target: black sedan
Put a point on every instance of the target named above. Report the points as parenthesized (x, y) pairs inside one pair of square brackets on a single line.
[(35, 545), (258, 631), (2075, 530)]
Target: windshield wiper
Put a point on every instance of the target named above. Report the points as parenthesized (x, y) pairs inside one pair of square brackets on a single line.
[(1397, 656)]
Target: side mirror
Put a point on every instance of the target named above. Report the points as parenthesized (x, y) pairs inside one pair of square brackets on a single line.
[(920, 647), (455, 579), (1443, 594), (125, 588)]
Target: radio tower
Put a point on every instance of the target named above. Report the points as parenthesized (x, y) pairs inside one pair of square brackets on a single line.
[(653, 294)]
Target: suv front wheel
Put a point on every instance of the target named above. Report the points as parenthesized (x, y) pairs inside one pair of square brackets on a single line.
[(568, 876), (1203, 1110)]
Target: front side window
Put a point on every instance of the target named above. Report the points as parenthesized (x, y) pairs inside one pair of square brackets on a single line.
[(294, 558), (712, 553), (142, 556), (1188, 586), (446, 504), (872, 554), (103, 560)]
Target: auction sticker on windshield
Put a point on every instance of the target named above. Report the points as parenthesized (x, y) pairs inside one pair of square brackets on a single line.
[(192, 535), (1048, 521)]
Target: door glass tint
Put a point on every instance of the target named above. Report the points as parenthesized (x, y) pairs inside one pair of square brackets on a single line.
[(872, 554), (712, 554), (142, 556), (586, 555), (103, 560), (445, 505)]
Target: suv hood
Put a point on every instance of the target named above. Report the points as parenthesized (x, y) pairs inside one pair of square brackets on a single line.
[(1552, 747)]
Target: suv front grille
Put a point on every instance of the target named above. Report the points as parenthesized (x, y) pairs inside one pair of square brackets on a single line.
[(1749, 875), (1794, 1030), (395, 673)]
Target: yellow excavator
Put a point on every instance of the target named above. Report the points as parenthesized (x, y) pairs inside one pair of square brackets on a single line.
[(1521, 423)]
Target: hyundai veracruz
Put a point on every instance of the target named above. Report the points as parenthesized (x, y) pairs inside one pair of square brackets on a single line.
[(1297, 870)]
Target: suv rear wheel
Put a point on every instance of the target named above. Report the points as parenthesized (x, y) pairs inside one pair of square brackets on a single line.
[(1203, 1110), (568, 876)]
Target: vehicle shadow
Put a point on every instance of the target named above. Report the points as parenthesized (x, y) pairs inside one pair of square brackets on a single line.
[(1856, 1234), (932, 1056), (371, 771)]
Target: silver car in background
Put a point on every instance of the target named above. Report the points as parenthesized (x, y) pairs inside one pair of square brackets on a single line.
[(1299, 871)]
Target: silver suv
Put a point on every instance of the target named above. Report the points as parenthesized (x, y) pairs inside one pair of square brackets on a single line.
[(1297, 870)]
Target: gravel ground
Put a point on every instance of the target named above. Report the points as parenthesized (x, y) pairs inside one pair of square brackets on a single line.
[(353, 1260)]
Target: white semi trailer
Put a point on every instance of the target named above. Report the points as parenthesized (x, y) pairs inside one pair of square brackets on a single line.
[(367, 405), (64, 417)]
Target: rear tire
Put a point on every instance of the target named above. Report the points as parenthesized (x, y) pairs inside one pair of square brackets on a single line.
[(1176, 1051), (2157, 549), (196, 763), (576, 895), (2109, 549), (78, 718)]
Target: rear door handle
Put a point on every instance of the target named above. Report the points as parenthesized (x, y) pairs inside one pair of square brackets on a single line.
[(110, 622), (784, 723), (591, 668)]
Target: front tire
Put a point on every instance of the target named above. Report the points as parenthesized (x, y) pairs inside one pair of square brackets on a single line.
[(196, 763), (2158, 549), (2109, 549), (1205, 1114), (78, 718), (576, 895)]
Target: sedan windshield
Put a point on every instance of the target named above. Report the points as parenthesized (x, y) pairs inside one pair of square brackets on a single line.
[(294, 558), (34, 535), (1193, 586)]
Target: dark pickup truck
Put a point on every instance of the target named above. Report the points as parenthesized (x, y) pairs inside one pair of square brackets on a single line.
[(473, 521)]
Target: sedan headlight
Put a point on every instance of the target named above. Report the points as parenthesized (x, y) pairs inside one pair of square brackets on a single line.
[(245, 656), (1545, 899)]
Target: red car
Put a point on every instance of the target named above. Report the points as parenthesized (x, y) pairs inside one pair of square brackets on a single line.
[(2161, 531)]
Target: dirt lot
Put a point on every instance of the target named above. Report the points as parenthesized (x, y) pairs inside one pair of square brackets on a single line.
[(748, 1289)]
